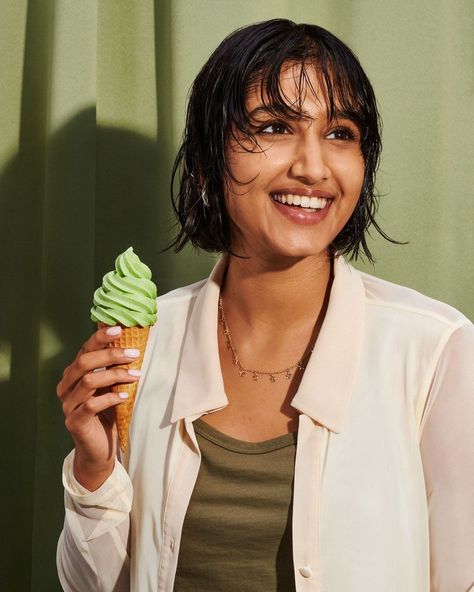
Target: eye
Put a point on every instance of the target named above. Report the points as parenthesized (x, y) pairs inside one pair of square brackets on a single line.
[(342, 132), (273, 128)]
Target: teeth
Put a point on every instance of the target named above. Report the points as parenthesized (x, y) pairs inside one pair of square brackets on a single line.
[(315, 203)]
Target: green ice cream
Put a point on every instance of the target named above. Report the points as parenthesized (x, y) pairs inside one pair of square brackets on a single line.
[(127, 295)]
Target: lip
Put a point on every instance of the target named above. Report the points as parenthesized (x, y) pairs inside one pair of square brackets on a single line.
[(302, 191), (303, 216)]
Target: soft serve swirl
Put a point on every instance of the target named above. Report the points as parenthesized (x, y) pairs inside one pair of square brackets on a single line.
[(127, 295)]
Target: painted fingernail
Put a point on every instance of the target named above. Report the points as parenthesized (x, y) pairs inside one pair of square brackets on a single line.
[(131, 353), (123, 395), (134, 372), (114, 330)]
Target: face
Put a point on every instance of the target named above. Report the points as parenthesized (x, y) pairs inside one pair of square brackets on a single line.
[(297, 191)]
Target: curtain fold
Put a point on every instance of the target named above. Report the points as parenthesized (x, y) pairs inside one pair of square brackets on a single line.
[(91, 114)]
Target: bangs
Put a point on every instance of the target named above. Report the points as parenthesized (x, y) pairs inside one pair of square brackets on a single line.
[(340, 89)]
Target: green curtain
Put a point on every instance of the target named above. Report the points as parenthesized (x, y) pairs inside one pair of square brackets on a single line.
[(91, 112)]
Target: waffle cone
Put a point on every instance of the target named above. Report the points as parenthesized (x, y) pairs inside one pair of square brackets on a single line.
[(131, 337)]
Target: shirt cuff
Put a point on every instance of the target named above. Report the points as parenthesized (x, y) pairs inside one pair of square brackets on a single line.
[(115, 485)]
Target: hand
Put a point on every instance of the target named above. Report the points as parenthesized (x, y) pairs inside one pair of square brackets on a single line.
[(88, 402)]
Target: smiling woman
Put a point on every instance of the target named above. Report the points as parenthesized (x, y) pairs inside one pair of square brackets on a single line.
[(299, 425), (308, 156)]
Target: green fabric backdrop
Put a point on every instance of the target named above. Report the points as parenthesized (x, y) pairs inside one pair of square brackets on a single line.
[(91, 111)]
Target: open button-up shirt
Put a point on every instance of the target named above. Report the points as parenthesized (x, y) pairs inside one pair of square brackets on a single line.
[(384, 479)]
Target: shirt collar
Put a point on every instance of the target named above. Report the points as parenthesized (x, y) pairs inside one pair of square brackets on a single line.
[(325, 390)]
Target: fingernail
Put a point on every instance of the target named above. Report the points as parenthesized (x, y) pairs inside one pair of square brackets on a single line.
[(114, 330), (123, 395), (131, 353), (134, 372)]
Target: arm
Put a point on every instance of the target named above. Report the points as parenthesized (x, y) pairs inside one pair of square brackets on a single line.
[(447, 450), (92, 550)]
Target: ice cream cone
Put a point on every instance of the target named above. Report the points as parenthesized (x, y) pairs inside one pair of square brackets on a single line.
[(131, 337), (127, 298)]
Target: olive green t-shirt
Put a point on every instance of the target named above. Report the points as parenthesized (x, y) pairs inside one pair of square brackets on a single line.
[(237, 531)]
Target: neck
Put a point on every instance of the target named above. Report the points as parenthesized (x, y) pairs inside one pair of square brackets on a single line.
[(261, 296)]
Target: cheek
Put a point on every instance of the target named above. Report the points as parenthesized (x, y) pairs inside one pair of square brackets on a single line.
[(246, 168), (255, 169), (351, 174)]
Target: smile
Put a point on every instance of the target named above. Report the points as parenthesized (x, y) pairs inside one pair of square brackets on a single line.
[(302, 201)]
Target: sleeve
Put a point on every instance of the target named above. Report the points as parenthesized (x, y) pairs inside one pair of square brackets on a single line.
[(93, 551), (447, 451)]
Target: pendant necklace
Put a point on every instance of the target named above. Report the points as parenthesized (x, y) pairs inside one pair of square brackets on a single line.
[(287, 372)]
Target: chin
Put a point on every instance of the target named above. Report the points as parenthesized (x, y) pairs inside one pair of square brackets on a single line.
[(299, 251)]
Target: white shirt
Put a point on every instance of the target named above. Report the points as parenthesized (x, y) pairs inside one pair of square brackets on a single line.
[(384, 478)]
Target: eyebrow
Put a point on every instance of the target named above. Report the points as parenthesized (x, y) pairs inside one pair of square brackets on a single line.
[(339, 114)]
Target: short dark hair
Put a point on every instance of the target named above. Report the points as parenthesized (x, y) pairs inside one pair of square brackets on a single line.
[(217, 105)]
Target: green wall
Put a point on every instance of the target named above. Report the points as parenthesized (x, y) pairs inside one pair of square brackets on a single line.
[(92, 108)]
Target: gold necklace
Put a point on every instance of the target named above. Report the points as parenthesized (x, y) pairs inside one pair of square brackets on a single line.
[(256, 373)]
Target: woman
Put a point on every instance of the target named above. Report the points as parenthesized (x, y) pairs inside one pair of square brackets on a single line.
[(299, 425)]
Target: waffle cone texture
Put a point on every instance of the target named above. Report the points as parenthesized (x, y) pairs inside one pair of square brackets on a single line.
[(131, 337)]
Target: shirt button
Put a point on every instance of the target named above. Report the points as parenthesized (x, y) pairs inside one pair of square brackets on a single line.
[(306, 571), (172, 544)]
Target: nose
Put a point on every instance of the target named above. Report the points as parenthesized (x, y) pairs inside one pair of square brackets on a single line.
[(309, 164)]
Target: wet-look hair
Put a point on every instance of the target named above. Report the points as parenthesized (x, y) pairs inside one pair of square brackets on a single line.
[(255, 55)]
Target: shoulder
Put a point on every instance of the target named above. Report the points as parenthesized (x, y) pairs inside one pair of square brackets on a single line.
[(174, 307), (414, 330), (401, 302), (181, 296)]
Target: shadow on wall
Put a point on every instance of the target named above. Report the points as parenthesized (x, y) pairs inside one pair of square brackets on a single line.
[(68, 207)]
